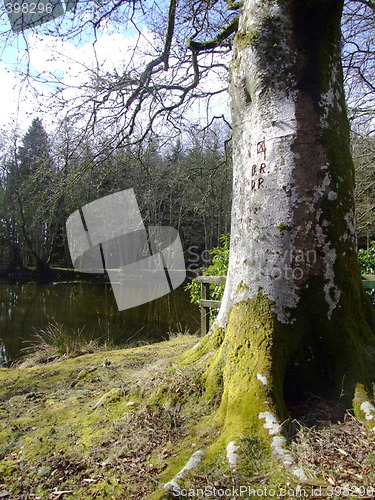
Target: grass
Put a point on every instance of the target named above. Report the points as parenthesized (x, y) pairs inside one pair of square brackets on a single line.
[(56, 343), (121, 423), (55, 437)]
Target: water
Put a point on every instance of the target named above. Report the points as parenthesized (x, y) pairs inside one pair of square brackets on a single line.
[(88, 308)]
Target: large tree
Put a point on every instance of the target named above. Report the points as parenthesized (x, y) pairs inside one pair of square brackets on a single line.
[(295, 320)]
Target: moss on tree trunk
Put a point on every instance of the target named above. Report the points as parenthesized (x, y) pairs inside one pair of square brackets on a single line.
[(295, 320)]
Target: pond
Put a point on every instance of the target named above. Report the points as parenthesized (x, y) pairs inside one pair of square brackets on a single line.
[(88, 310)]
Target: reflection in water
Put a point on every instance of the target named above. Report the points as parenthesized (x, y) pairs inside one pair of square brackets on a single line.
[(4, 358), (28, 307)]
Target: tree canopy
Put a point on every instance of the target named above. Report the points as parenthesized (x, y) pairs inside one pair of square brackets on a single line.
[(175, 54)]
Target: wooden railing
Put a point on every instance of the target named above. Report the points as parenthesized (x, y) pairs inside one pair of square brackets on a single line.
[(206, 304), (368, 281)]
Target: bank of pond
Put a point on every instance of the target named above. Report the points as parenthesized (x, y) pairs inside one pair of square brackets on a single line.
[(89, 310)]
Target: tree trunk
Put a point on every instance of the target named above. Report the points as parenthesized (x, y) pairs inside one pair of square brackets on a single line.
[(295, 320)]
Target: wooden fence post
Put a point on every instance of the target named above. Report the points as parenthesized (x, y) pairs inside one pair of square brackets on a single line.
[(206, 303)]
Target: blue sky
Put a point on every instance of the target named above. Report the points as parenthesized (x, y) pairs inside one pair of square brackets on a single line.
[(36, 51)]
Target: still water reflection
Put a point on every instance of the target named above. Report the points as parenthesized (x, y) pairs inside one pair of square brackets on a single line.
[(29, 307)]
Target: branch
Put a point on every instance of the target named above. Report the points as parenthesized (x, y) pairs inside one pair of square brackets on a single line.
[(233, 5), (221, 37), (169, 34), (368, 3), (360, 216), (163, 58)]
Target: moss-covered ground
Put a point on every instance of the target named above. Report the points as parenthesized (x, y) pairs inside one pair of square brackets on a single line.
[(119, 424)]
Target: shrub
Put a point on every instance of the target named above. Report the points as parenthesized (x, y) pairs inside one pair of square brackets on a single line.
[(367, 264)]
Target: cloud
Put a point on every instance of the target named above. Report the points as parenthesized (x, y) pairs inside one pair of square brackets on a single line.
[(71, 65), (17, 103)]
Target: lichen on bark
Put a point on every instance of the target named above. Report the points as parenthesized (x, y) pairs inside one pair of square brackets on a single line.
[(280, 338)]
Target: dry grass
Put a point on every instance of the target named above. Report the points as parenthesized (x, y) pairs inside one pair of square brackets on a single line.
[(56, 343), (55, 438)]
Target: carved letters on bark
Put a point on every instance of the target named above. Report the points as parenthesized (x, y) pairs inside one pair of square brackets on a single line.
[(258, 172)]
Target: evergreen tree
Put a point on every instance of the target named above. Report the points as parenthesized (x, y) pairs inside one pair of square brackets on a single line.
[(36, 196)]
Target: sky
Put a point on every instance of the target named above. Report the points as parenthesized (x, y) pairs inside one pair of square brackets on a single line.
[(18, 104), (18, 101), (48, 53)]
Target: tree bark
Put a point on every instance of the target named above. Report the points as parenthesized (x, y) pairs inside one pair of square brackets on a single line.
[(295, 320)]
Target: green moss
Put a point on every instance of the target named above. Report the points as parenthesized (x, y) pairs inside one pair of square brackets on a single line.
[(47, 422), (284, 227), (251, 349), (245, 39), (186, 401), (109, 397), (295, 361), (8, 467), (242, 288), (206, 348)]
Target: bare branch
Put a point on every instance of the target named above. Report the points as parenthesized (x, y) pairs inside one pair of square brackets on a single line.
[(218, 41)]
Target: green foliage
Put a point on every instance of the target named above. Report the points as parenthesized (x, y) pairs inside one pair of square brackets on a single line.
[(367, 264), (367, 259), (218, 267)]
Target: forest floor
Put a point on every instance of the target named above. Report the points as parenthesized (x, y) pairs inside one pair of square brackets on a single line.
[(120, 424)]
